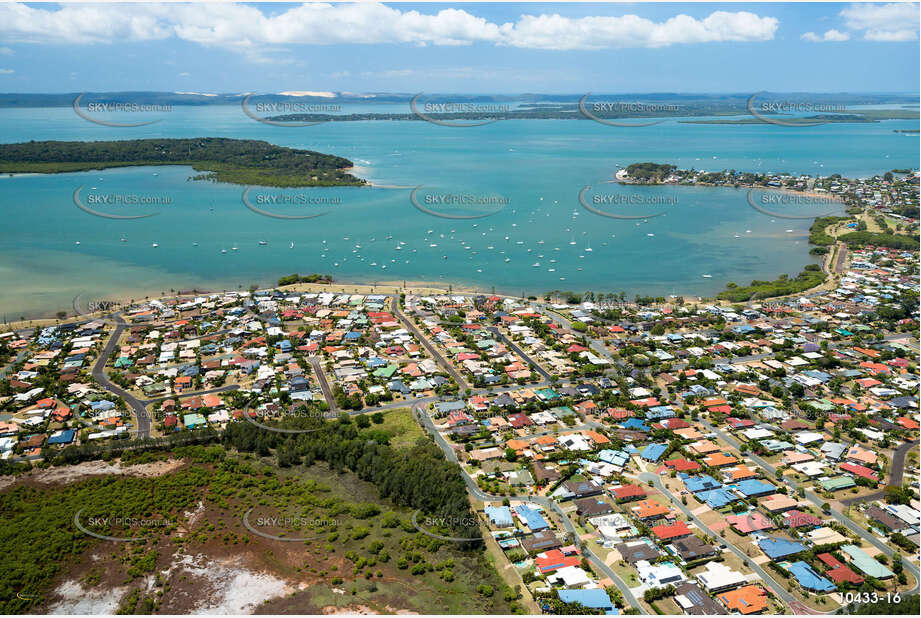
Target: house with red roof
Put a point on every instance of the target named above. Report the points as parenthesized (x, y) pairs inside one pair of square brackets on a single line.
[(861, 471), (682, 465), (669, 532), (550, 561), (799, 519), (626, 493), (838, 571), (519, 420), (752, 521)]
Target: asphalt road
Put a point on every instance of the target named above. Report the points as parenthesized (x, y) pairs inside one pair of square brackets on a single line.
[(324, 385), (99, 374), (779, 590), (543, 372), (818, 501), (395, 308), (895, 475), (545, 502)]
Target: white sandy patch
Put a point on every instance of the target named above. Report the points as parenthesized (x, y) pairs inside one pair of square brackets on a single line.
[(74, 599), (192, 517), (70, 474), (229, 588)]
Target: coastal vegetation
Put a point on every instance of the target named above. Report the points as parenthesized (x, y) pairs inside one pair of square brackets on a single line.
[(810, 277), (818, 235), (872, 115), (313, 278), (346, 475), (880, 239), (650, 172), (244, 162)]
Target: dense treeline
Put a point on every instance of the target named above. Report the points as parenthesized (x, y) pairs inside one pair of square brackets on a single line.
[(817, 234), (891, 241), (41, 539), (77, 453), (418, 477), (650, 172), (810, 277), (250, 162), (296, 278)]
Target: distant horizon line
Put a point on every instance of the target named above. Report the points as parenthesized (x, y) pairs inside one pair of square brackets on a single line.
[(373, 93)]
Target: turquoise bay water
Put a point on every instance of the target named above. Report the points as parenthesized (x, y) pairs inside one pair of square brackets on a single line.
[(703, 231)]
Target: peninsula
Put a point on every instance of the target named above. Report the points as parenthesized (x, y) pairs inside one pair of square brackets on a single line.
[(244, 162)]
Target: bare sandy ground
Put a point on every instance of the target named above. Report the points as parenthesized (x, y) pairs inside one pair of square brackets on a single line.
[(75, 599), (226, 586), (71, 474)]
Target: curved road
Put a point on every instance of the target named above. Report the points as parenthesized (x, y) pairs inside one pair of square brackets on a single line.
[(138, 406), (895, 476), (99, 374), (545, 502), (818, 501)]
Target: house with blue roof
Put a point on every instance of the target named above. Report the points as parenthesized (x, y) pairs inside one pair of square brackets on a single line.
[(807, 577), (754, 488), (64, 436), (779, 548), (634, 424), (500, 516), (532, 517), (716, 498), (615, 458), (595, 598), (654, 452), (704, 482), (660, 412)]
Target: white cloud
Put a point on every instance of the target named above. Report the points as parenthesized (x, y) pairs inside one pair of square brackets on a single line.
[(247, 29), (830, 35), (892, 22), (556, 32), (7, 71), (6, 51)]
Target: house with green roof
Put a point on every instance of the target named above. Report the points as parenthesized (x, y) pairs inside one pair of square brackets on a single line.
[(836, 483), (823, 405), (866, 563), (385, 372), (194, 420)]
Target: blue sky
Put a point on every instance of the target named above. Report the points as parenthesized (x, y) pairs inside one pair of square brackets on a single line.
[(461, 47)]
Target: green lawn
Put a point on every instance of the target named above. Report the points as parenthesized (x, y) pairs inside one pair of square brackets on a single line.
[(401, 425)]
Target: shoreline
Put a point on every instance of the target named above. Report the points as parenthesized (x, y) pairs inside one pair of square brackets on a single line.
[(45, 318)]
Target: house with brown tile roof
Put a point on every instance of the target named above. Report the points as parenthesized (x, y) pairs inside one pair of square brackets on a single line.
[(703, 447)]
